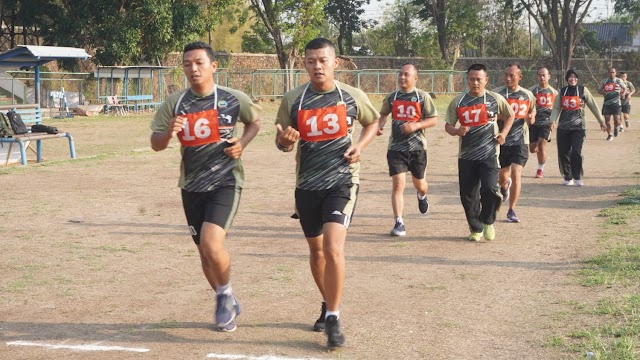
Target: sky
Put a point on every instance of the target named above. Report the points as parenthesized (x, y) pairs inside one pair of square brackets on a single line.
[(599, 10)]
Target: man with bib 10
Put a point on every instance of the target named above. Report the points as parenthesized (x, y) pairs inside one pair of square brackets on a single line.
[(320, 116), (478, 112), (514, 152), (412, 112), (569, 116), (540, 130), (203, 118)]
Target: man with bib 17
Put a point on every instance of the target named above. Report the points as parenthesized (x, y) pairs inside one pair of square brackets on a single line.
[(203, 118), (320, 115), (478, 112)]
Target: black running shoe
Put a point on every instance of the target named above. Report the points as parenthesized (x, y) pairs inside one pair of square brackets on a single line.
[(423, 204), (335, 336), (319, 325)]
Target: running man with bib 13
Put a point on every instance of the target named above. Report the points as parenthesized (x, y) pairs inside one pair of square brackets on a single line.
[(478, 111), (320, 115)]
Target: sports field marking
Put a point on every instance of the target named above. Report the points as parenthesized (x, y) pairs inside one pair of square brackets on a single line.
[(248, 357), (89, 347)]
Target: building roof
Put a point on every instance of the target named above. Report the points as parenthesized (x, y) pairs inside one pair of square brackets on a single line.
[(31, 55), (611, 34)]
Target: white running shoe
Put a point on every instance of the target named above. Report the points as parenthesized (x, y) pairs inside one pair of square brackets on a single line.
[(567, 182)]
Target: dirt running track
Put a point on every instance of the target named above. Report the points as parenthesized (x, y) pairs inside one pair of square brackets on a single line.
[(95, 252)]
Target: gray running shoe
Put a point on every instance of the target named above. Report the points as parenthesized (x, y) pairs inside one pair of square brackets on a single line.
[(423, 204), (398, 229), (226, 312), (506, 192), (335, 336)]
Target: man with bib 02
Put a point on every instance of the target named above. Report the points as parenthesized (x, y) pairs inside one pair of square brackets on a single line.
[(514, 153), (320, 115), (412, 112), (203, 118), (478, 111)]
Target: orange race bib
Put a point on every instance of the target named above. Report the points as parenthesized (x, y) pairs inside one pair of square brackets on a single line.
[(201, 128), (474, 115), (403, 110), (545, 100), (322, 124), (519, 107), (609, 87), (570, 103)]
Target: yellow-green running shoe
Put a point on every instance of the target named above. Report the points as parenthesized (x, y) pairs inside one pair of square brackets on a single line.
[(475, 236), (489, 232)]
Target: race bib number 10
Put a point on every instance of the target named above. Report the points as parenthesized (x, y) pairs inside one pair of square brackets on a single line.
[(201, 128), (323, 124), (406, 110)]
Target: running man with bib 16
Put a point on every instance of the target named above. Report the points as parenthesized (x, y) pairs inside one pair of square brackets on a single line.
[(204, 118)]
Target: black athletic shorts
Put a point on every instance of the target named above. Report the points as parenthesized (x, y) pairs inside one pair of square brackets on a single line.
[(539, 132), (217, 207), (611, 110), (403, 161), (518, 154), (317, 207), (626, 108)]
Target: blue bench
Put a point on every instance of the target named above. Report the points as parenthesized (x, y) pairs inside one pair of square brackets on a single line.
[(31, 114), (143, 102)]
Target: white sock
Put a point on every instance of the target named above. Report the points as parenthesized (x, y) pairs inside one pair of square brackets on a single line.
[(336, 313), (540, 166), (399, 219), (224, 289), (422, 197)]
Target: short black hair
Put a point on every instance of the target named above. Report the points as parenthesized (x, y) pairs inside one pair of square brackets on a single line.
[(196, 45), (516, 65), (414, 66), (477, 67), (622, 73), (543, 67), (319, 43)]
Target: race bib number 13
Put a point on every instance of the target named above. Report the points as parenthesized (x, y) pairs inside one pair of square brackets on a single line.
[(322, 124)]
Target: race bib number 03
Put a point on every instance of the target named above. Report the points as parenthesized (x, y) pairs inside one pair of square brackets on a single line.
[(323, 124), (201, 128), (474, 115), (406, 110), (544, 100), (570, 103)]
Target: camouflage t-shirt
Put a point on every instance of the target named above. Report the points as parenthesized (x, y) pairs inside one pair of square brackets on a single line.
[(630, 89), (612, 88), (522, 103), (206, 167), (568, 109), (544, 103), (324, 134), (413, 106), (479, 143)]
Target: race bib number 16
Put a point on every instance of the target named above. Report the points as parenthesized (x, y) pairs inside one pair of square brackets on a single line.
[(201, 128)]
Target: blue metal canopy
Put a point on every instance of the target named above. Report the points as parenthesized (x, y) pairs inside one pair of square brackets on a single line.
[(31, 55)]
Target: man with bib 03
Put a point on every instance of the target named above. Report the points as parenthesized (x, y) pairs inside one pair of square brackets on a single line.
[(478, 111), (514, 152), (320, 116), (412, 112), (203, 118)]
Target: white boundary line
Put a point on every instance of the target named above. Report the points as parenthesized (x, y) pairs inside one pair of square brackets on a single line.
[(90, 347), (248, 357)]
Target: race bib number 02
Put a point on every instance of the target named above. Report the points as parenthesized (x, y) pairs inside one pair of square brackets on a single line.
[(323, 124), (201, 128), (519, 107), (474, 115), (406, 110)]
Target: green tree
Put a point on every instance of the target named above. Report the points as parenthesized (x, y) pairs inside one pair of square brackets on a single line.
[(345, 15), (291, 24), (630, 8), (559, 22), (456, 21)]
